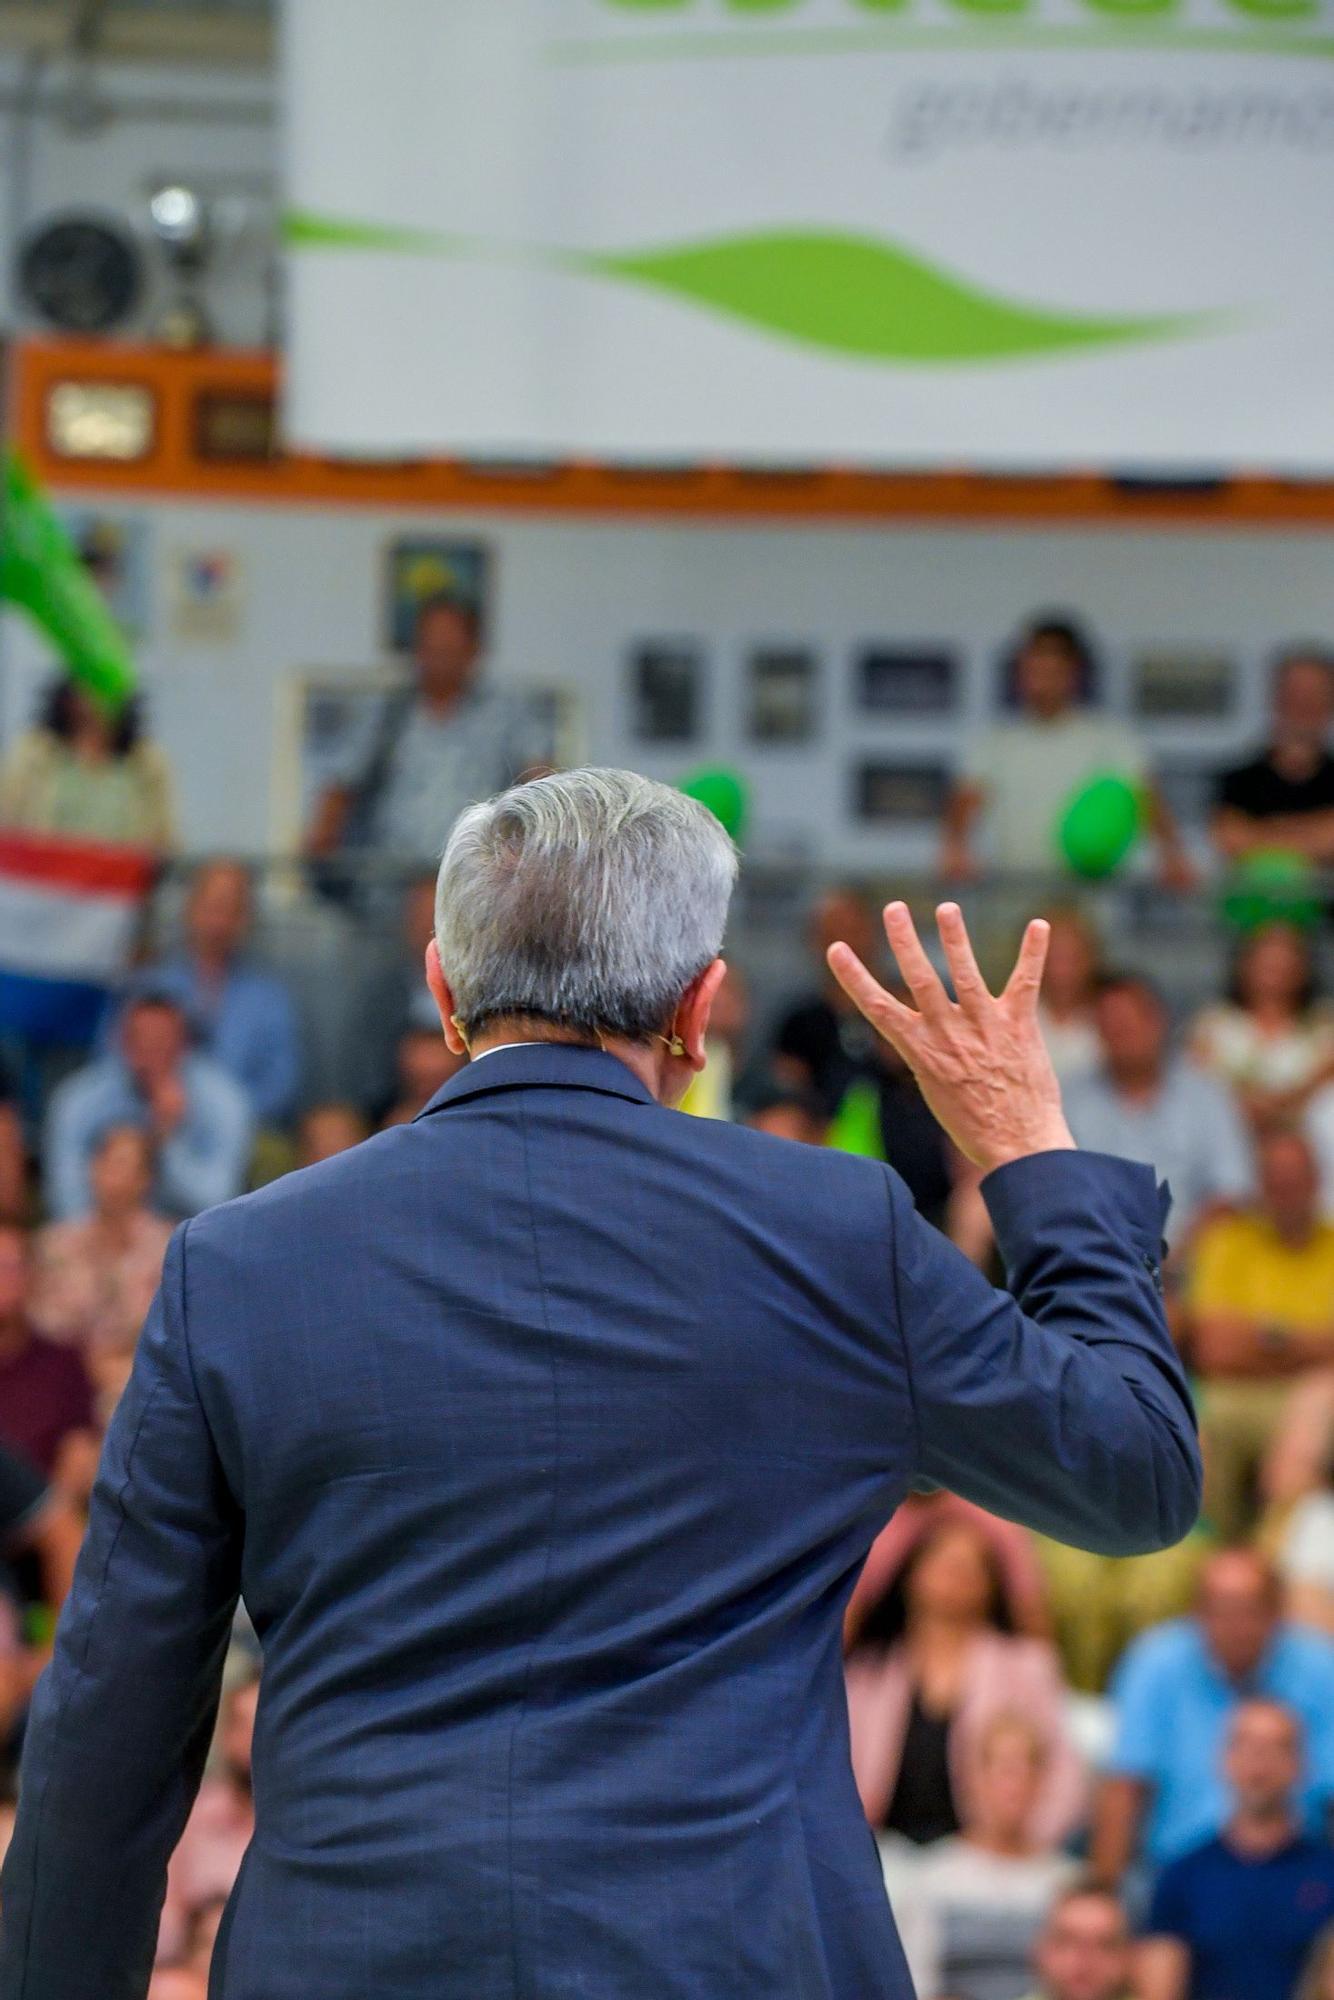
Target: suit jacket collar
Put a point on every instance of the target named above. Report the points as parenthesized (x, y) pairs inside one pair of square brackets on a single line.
[(541, 1065)]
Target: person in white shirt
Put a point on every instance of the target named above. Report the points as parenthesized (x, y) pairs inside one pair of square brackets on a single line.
[(1021, 772), (971, 1908)]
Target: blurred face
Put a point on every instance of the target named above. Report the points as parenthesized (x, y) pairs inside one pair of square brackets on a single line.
[(1274, 968), (90, 720), (1047, 677), (952, 1578), (424, 1065), (13, 1272), (446, 652), (218, 917), (790, 1121), (842, 917), (1084, 1953), (328, 1131), (1289, 1184), (153, 1041), (1071, 962), (1005, 1784), (1132, 1026), (237, 1734), (1304, 701), (1263, 1764), (1238, 1611), (121, 1172)]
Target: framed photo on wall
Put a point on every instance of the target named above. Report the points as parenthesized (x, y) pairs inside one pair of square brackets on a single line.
[(419, 567), (1183, 687), (782, 694), (906, 680), (895, 793), (666, 691)]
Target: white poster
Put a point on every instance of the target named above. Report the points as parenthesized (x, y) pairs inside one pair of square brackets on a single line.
[(1006, 233)]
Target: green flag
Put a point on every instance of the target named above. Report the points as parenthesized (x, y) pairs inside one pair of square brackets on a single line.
[(40, 569)]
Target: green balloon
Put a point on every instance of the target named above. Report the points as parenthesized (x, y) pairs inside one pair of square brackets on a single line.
[(724, 793), (1100, 824), (1272, 886)]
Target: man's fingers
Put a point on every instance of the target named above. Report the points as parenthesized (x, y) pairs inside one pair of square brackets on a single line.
[(919, 975), (1026, 979), (869, 997), (969, 984)]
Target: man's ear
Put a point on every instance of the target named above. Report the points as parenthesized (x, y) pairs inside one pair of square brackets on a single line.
[(443, 997), (692, 1016)]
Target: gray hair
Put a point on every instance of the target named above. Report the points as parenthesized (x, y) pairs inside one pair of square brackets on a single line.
[(591, 899)]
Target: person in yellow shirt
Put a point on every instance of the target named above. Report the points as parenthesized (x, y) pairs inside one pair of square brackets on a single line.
[(1260, 1297)]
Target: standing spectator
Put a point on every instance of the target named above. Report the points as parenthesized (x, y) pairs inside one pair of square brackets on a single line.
[(971, 1910), (1084, 1951), (243, 1016), (1022, 772), (425, 1065), (220, 1828), (1272, 1040), (933, 1663), (438, 747), (1284, 797), (1261, 1305), (1239, 1914), (94, 1281), (1069, 996), (1175, 1694), (46, 1400), (1147, 1105), (327, 1130), (198, 1118), (89, 774)]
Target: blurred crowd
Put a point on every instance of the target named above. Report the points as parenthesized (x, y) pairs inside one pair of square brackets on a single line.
[(1090, 1780)]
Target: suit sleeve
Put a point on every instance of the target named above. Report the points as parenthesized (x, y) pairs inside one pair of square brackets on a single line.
[(1060, 1404), (121, 1721)]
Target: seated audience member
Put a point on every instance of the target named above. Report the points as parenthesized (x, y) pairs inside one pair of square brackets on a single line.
[(1318, 1979), (1174, 1694), (1069, 995), (933, 1662), (972, 1908), (1021, 772), (824, 1044), (46, 1399), (444, 743), (1239, 1914), (89, 774), (1284, 797), (1272, 1040), (919, 1517), (220, 1828), (790, 1114), (1146, 1104), (242, 1015), (1084, 1950), (327, 1130), (1260, 1297), (197, 1116), (38, 1529), (94, 1281), (424, 1065)]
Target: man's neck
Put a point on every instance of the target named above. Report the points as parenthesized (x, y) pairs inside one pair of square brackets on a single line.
[(646, 1063), (1259, 1834)]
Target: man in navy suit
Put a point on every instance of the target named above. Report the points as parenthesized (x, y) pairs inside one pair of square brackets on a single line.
[(545, 1438)]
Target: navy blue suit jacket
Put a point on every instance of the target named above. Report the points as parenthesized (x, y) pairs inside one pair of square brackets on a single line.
[(545, 1438)]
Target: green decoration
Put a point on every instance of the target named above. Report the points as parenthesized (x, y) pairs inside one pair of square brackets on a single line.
[(725, 794), (856, 1127), (1099, 825), (41, 571), (1273, 885)]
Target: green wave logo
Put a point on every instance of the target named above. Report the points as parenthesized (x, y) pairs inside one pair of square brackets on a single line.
[(857, 297)]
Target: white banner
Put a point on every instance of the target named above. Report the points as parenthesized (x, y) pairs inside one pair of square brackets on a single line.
[(1006, 233)]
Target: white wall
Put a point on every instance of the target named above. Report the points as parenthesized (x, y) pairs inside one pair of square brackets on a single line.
[(573, 597)]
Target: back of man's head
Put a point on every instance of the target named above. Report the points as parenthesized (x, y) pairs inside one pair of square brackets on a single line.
[(590, 901)]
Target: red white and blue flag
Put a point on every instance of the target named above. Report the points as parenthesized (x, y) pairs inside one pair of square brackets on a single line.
[(69, 914)]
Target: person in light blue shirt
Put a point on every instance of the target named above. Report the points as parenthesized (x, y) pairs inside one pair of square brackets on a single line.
[(1175, 1693), (199, 1117), (242, 1015), (1145, 1105)]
